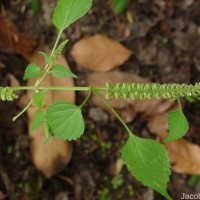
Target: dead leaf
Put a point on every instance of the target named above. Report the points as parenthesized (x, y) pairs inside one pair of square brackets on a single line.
[(99, 53), (2, 196), (14, 41), (158, 123), (2, 65), (184, 156), (127, 108), (52, 157), (13, 80)]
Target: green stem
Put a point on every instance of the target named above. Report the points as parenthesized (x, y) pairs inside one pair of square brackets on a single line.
[(179, 103), (86, 99), (56, 43), (114, 112), (24, 110), (48, 66), (58, 88), (40, 79)]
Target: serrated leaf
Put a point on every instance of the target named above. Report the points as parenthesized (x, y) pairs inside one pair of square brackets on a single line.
[(46, 57), (31, 71), (38, 98), (60, 71), (120, 5), (148, 161), (68, 11), (178, 125), (38, 120), (65, 120)]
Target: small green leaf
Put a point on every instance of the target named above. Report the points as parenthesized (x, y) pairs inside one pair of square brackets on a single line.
[(178, 125), (65, 120), (46, 57), (120, 5), (38, 98), (38, 120), (68, 11), (190, 98), (61, 71), (31, 71), (35, 5), (148, 161)]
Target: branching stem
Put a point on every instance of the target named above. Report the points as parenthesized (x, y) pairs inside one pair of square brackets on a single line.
[(40, 79), (86, 99)]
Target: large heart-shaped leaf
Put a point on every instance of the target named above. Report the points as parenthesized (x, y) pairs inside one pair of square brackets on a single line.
[(65, 120), (148, 161)]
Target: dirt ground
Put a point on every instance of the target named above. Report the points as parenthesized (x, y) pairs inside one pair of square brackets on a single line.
[(164, 37)]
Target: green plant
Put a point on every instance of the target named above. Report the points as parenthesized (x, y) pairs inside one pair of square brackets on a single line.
[(119, 5), (146, 159), (35, 5)]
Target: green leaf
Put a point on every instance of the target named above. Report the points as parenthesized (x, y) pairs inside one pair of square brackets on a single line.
[(190, 98), (120, 5), (148, 161), (178, 125), (68, 11), (35, 5), (46, 57), (38, 120), (31, 71), (65, 120), (38, 98), (61, 71)]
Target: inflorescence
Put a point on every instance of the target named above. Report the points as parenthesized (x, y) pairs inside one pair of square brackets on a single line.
[(7, 94), (151, 90)]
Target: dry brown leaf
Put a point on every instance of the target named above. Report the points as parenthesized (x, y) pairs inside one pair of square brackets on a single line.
[(52, 157), (158, 123), (184, 156), (99, 53), (13, 80), (12, 40), (127, 108)]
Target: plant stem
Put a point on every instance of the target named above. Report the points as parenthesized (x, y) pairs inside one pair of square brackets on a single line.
[(114, 112), (40, 79), (58, 88), (56, 43), (179, 103), (24, 110), (86, 99)]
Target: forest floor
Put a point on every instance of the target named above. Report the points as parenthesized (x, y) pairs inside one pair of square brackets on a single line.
[(164, 37)]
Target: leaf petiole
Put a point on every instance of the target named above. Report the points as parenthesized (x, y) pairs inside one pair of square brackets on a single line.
[(114, 112)]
